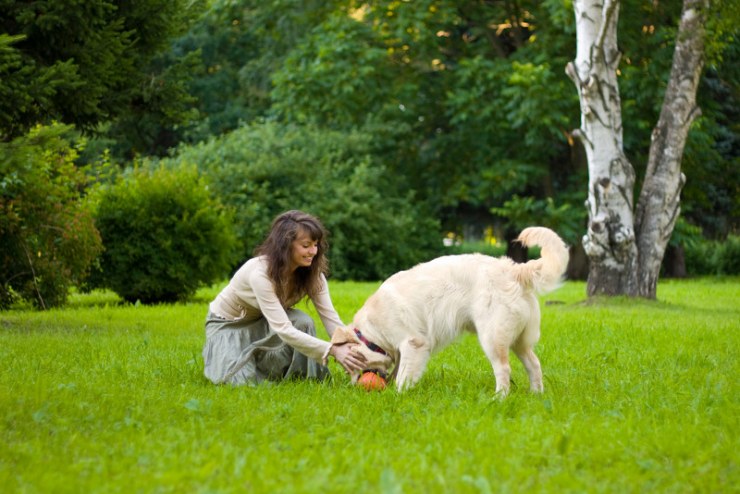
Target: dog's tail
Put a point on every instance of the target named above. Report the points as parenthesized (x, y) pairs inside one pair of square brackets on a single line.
[(546, 273)]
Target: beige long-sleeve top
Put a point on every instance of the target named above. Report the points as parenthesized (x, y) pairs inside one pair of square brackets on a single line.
[(250, 295)]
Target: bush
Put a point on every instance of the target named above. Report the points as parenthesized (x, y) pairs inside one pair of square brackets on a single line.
[(164, 236), (264, 169), (477, 247), (714, 257), (374, 233), (727, 256), (48, 238)]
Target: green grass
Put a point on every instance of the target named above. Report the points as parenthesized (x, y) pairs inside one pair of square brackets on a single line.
[(639, 397)]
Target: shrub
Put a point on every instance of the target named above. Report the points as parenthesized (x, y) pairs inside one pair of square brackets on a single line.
[(374, 233), (714, 257), (164, 235), (481, 247), (726, 257), (264, 169), (48, 238)]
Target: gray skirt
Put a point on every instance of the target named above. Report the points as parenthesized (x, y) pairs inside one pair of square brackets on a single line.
[(239, 352)]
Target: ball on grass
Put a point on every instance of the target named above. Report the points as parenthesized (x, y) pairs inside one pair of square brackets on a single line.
[(371, 381)]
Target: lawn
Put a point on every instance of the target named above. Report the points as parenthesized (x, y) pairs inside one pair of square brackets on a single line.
[(640, 396)]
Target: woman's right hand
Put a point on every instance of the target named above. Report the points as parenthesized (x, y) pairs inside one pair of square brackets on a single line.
[(347, 358)]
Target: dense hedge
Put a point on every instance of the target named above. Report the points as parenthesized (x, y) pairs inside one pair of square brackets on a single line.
[(264, 169), (714, 257), (47, 236), (164, 235)]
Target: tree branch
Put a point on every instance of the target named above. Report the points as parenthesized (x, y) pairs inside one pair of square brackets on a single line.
[(607, 12), (33, 272)]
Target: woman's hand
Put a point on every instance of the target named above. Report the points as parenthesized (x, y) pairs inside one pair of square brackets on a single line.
[(347, 358)]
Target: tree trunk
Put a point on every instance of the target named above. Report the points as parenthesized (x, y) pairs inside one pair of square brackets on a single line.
[(610, 239), (674, 262), (659, 204), (515, 250), (625, 253), (577, 263)]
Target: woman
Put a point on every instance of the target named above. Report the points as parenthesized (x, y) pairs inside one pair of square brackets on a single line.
[(252, 331)]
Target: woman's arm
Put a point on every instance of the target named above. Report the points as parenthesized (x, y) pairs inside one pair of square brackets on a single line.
[(309, 346), (325, 308), (277, 318)]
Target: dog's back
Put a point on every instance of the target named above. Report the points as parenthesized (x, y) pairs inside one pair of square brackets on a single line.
[(438, 298)]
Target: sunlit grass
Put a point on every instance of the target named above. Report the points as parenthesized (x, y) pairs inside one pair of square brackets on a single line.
[(640, 396)]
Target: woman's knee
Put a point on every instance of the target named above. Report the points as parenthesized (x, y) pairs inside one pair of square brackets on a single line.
[(301, 320)]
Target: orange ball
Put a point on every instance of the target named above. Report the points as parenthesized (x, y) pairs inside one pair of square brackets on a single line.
[(371, 381)]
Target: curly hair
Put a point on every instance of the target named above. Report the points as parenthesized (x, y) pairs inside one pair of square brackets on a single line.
[(292, 286)]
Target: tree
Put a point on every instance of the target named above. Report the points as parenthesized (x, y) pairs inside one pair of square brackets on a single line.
[(625, 244), (83, 63), (48, 237), (229, 55), (437, 83)]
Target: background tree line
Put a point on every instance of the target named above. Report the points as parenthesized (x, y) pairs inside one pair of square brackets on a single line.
[(396, 122)]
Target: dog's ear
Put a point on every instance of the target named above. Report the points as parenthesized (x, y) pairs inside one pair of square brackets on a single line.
[(343, 335)]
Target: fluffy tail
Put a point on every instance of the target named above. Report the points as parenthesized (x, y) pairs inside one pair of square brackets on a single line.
[(546, 273)]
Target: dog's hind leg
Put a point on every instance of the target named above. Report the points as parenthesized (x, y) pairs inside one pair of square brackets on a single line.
[(497, 351), (523, 347), (498, 354), (532, 364), (501, 368), (415, 353)]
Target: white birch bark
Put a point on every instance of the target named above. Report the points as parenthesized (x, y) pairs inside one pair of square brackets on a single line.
[(659, 204), (610, 239)]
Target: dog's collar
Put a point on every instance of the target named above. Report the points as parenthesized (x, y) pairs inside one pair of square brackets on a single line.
[(372, 346)]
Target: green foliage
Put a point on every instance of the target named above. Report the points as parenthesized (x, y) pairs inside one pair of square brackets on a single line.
[(481, 247), (82, 62), (434, 83), (339, 73), (522, 212), (728, 256), (711, 196), (639, 397), (47, 236), (465, 104), (462, 82), (685, 234), (264, 169), (163, 106), (164, 235), (713, 257), (238, 45)]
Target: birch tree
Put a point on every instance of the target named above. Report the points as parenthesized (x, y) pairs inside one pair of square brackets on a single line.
[(625, 244)]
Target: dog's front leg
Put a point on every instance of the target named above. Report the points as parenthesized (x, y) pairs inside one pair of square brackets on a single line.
[(415, 353)]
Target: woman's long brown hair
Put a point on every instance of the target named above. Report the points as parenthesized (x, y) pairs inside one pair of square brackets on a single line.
[(291, 287)]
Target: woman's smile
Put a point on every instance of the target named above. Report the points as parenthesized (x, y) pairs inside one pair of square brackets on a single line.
[(304, 249)]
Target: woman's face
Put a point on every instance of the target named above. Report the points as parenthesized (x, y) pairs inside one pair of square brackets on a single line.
[(303, 250)]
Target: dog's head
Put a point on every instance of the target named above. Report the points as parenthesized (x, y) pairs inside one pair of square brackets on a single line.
[(373, 360)]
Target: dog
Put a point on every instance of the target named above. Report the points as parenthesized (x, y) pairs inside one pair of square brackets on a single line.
[(417, 312)]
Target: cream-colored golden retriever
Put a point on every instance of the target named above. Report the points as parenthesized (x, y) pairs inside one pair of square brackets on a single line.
[(417, 312)]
